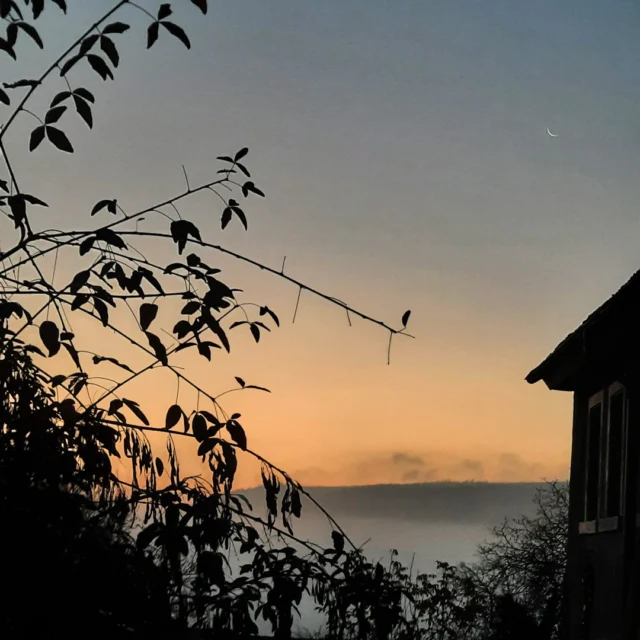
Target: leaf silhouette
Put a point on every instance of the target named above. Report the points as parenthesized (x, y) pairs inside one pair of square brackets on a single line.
[(148, 313), (237, 433), (32, 32), (214, 325), (296, 504), (12, 33), (33, 200), (178, 32), (159, 349), (226, 217), (79, 300), (190, 308), (174, 413), (159, 466), (37, 136), (116, 27), (241, 382), (85, 94), (405, 318), (110, 237), (73, 353), (54, 114), (193, 260), (18, 207), (84, 110), (134, 407), (151, 279), (79, 280), (99, 66), (164, 11), (59, 139), (243, 218), (255, 332), (87, 44), (182, 328), (241, 154), (201, 4), (50, 336), (115, 405), (99, 359), (271, 314), (60, 97), (5, 46), (181, 230), (4, 97), (21, 83), (103, 204), (207, 445), (70, 63), (56, 381), (243, 169), (108, 46), (86, 245), (152, 34), (101, 310), (210, 417), (199, 427), (37, 7), (250, 187), (204, 350), (338, 541)]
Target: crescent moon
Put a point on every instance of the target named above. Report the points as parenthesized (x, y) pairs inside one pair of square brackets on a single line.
[(553, 135)]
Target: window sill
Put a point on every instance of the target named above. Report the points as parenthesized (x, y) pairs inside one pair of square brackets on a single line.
[(587, 527), (603, 525), (612, 523)]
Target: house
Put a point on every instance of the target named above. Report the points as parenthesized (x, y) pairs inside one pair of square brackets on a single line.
[(599, 363)]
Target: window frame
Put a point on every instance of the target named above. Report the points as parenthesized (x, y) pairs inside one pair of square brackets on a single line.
[(605, 519)]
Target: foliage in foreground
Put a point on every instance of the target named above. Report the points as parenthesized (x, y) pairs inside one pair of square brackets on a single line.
[(101, 517)]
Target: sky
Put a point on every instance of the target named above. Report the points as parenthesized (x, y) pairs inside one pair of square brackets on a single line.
[(403, 148)]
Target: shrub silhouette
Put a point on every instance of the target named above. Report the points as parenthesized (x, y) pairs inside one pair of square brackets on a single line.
[(135, 544)]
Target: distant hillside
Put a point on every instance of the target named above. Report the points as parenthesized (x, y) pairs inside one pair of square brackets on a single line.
[(455, 502)]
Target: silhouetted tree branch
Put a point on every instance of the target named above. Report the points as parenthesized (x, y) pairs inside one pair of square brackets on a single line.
[(64, 423)]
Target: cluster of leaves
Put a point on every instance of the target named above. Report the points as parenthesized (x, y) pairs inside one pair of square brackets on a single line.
[(66, 416)]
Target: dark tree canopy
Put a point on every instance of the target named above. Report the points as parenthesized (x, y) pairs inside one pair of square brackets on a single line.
[(101, 517)]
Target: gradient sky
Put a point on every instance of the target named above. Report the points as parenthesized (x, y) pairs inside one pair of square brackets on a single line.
[(404, 153)]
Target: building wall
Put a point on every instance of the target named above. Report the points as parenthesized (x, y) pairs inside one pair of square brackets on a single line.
[(603, 567)]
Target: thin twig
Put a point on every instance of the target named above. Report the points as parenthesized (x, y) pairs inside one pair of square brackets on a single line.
[(295, 311)]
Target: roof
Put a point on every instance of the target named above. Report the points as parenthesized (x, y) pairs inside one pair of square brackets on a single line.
[(557, 367)]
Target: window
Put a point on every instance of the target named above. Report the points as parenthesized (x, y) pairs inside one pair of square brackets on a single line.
[(615, 448), (594, 432), (605, 454)]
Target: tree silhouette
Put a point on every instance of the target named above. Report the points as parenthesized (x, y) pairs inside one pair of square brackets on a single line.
[(516, 589), (94, 503)]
